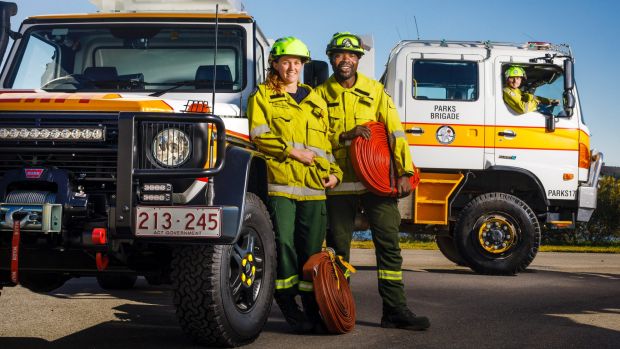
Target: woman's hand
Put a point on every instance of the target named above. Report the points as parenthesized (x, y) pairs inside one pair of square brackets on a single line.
[(305, 156), (330, 182)]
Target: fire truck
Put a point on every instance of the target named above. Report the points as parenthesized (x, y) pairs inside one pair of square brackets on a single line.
[(124, 152), (491, 177)]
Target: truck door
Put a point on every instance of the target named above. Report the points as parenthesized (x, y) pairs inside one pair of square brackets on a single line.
[(523, 142), (444, 110)]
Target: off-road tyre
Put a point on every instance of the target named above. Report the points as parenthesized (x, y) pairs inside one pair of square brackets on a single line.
[(446, 246), (213, 305), (42, 282), (496, 210), (117, 281)]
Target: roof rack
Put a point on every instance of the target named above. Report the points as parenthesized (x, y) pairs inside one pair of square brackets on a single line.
[(204, 6)]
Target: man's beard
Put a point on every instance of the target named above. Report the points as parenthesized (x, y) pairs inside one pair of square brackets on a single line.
[(344, 75)]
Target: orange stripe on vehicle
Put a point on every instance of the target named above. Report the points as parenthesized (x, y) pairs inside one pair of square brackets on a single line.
[(480, 136), (112, 102), (237, 134), (142, 15)]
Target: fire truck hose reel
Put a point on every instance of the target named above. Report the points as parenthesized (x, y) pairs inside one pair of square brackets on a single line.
[(331, 290), (374, 164)]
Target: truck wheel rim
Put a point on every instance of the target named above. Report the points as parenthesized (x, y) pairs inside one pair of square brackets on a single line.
[(246, 265), (496, 234)]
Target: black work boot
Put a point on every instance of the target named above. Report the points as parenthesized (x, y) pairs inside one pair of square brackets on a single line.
[(403, 318), (311, 309), (293, 314)]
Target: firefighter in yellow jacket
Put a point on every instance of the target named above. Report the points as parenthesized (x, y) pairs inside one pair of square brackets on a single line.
[(288, 123), (353, 100), (522, 102)]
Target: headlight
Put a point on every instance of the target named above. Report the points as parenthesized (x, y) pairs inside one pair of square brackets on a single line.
[(171, 148)]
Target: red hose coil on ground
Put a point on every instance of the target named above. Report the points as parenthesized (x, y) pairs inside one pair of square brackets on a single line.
[(332, 292), (373, 162)]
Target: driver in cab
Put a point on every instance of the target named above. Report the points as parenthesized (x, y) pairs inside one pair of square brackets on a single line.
[(522, 102)]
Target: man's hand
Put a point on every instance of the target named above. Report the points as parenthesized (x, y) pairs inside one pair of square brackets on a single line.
[(555, 102), (330, 182), (357, 131), (404, 186), (305, 156)]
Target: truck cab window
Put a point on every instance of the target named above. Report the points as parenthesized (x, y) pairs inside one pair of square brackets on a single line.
[(445, 80), (543, 81)]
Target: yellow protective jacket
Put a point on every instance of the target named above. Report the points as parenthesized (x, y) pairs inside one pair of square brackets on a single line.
[(277, 125), (521, 102), (348, 107)]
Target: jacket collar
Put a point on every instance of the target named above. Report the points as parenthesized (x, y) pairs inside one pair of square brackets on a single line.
[(312, 98), (362, 87)]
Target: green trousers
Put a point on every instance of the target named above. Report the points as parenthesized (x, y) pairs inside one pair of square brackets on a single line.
[(300, 230), (384, 219)]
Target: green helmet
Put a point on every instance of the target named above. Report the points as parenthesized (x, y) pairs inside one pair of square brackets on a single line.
[(345, 41), (515, 71), (289, 46)]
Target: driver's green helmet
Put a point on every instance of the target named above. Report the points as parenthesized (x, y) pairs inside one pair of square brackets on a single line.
[(345, 41), (289, 46), (515, 71)]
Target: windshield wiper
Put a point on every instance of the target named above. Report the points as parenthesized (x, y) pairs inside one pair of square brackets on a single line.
[(177, 85)]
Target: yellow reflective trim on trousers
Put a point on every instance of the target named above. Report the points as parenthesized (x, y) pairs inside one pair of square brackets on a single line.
[(282, 284), (390, 275), (306, 286)]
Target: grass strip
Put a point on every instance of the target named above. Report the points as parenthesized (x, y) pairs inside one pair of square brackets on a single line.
[(427, 245)]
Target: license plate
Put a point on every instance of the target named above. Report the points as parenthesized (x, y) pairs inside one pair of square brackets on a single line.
[(165, 221)]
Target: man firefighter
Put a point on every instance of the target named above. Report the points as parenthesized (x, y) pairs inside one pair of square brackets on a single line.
[(353, 100)]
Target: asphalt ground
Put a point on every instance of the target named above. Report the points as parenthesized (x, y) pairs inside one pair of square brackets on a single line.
[(564, 300)]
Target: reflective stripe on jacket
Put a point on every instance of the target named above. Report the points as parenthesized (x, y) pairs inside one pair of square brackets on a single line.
[(277, 125), (521, 102), (348, 107)]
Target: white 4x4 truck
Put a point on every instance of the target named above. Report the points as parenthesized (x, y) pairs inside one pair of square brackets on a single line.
[(490, 176), (116, 159)]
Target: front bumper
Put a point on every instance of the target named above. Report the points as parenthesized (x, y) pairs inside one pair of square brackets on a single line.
[(587, 193)]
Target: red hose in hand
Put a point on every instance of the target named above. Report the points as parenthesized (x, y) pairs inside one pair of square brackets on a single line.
[(374, 164)]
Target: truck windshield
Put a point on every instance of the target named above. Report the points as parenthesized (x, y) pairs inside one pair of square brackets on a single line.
[(130, 57)]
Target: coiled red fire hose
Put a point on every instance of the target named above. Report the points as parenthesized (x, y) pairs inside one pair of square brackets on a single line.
[(374, 164), (331, 290)]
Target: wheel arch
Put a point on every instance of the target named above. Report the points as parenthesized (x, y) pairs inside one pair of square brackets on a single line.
[(505, 179), (245, 171)]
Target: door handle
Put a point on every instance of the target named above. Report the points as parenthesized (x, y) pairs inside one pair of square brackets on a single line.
[(507, 133), (415, 131)]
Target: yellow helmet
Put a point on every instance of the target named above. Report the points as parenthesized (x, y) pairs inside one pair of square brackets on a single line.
[(515, 71), (289, 46), (345, 41)]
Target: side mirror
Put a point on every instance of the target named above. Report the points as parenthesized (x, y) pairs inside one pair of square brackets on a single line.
[(7, 10), (569, 80), (315, 73), (569, 102)]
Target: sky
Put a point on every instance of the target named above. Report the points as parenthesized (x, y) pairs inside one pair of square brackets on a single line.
[(591, 28)]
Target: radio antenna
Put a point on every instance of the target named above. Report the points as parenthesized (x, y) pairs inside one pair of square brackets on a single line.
[(217, 23), (416, 27), (210, 187)]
